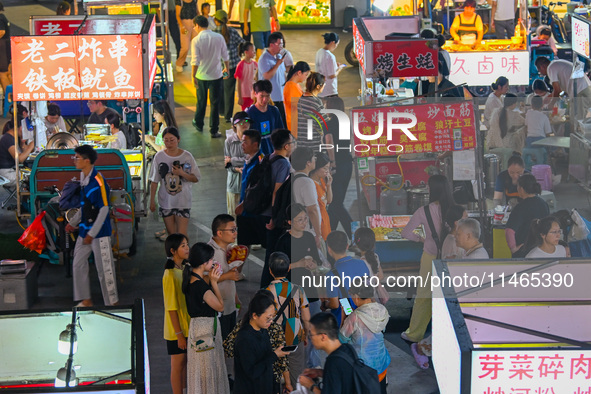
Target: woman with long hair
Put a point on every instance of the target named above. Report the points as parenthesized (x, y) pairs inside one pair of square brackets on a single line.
[(175, 170), (323, 181), (506, 126), (543, 239), (253, 355), (233, 41), (292, 91), (495, 99), (163, 118), (206, 368), (531, 207), (186, 11), (365, 240), (440, 200), (176, 317)]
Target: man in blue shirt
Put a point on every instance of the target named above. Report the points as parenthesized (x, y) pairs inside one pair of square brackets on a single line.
[(265, 117), (272, 68), (347, 268), (94, 231)]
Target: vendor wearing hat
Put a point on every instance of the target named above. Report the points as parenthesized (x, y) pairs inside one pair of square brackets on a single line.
[(467, 27), (234, 158)]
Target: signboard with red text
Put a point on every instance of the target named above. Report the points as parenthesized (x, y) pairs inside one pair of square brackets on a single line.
[(359, 45), (151, 56), (408, 58), (530, 371), (440, 127), (483, 68), (77, 67)]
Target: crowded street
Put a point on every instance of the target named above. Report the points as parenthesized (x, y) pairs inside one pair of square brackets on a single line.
[(182, 207)]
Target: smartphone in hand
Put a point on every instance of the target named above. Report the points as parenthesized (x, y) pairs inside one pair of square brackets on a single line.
[(290, 349), (346, 306)]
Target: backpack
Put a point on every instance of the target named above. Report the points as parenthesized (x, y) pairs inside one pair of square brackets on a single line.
[(283, 200), (365, 378), (259, 190), (70, 196), (132, 133)]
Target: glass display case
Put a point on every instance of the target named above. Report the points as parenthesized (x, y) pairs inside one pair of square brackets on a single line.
[(109, 352)]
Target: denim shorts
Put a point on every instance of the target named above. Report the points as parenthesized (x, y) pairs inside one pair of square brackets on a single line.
[(260, 39)]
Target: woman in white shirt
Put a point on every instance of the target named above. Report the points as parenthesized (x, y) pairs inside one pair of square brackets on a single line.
[(544, 239), (114, 121), (495, 100), (326, 64), (506, 126)]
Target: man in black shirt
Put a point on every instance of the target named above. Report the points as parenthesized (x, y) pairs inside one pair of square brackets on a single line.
[(100, 111), (337, 376)]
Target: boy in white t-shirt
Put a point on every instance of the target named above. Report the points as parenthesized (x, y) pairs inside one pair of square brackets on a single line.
[(538, 123)]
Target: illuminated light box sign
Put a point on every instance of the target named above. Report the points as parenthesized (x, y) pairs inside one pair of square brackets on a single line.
[(531, 371), (77, 67), (483, 68), (580, 36), (439, 128)]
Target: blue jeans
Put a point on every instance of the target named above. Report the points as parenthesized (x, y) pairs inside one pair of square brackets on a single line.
[(260, 39), (530, 140)]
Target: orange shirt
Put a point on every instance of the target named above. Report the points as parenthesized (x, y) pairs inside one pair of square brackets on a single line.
[(292, 90)]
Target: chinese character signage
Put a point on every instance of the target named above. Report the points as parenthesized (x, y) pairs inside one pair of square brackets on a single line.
[(531, 372), (483, 68), (580, 36), (77, 67), (56, 27), (440, 127), (359, 44), (410, 58)]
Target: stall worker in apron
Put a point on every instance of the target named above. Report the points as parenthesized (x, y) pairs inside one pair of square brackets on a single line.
[(94, 232), (467, 27)]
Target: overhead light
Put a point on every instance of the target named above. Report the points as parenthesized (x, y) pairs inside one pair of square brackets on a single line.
[(60, 379), (63, 345), (382, 5)]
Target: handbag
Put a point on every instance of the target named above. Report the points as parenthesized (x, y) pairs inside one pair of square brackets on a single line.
[(204, 343)]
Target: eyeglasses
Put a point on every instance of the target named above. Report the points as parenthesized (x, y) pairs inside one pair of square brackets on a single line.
[(233, 230), (242, 122), (75, 158), (559, 232)]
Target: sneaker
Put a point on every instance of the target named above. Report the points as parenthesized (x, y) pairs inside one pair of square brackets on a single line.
[(179, 69), (216, 135), (185, 64), (194, 123)]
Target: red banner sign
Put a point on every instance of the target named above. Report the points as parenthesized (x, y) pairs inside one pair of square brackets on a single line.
[(56, 27), (411, 58), (359, 46), (440, 127), (77, 67)]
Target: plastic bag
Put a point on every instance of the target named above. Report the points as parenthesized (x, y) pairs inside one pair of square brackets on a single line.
[(33, 237), (580, 228)]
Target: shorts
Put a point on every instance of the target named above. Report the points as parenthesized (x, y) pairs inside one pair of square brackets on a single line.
[(173, 348), (260, 39), (183, 213)]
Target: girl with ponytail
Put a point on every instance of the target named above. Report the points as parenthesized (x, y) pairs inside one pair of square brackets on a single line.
[(245, 73), (495, 99), (530, 208), (543, 240), (506, 126), (292, 90)]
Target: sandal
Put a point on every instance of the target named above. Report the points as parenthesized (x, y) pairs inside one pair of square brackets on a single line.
[(163, 237), (422, 360), (159, 234)]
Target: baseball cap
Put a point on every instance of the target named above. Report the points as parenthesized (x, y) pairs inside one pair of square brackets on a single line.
[(221, 15), (239, 117)]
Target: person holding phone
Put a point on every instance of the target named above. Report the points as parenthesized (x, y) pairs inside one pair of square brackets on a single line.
[(364, 330), (253, 355), (272, 68), (206, 370), (326, 64)]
